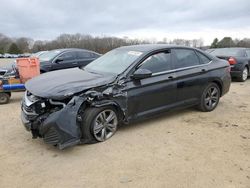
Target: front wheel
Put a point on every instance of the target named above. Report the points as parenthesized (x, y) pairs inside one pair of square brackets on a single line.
[(210, 98), (99, 124)]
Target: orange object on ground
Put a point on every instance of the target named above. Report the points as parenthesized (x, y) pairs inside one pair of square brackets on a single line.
[(14, 81), (28, 68)]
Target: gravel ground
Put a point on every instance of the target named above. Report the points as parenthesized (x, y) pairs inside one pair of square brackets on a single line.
[(185, 148)]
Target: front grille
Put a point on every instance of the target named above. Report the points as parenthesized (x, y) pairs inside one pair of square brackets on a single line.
[(51, 137), (28, 109)]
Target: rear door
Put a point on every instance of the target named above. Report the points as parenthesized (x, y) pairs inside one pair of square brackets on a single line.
[(248, 56), (191, 74), (84, 58), (65, 60)]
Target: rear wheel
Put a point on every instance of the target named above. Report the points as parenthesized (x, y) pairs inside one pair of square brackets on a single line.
[(4, 98), (210, 98), (99, 124), (244, 75)]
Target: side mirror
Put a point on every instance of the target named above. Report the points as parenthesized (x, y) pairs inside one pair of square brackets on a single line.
[(141, 73), (59, 59)]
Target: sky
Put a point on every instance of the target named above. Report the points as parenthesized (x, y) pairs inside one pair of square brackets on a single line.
[(151, 19)]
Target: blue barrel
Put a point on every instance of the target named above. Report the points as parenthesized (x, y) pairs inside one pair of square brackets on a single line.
[(11, 87)]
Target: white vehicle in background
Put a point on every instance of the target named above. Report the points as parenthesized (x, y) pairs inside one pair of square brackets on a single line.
[(6, 55), (1, 55), (26, 55), (14, 55)]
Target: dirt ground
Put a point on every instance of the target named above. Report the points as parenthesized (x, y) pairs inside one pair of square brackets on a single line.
[(185, 148)]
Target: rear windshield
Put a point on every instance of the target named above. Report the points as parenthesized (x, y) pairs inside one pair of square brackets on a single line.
[(227, 52)]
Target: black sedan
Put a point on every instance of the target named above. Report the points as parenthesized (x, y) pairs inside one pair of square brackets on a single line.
[(126, 84), (238, 58), (65, 58)]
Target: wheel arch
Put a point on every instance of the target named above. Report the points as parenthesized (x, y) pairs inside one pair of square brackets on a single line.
[(110, 103), (220, 85), (248, 68)]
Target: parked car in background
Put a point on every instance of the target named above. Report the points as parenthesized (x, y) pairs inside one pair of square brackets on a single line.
[(1, 55), (69, 107), (66, 58), (238, 58), (14, 55), (11, 68), (6, 55)]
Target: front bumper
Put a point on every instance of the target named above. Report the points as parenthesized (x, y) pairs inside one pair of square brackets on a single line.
[(61, 128)]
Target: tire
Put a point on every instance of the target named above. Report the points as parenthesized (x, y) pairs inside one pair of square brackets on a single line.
[(210, 98), (93, 132), (4, 98), (244, 74)]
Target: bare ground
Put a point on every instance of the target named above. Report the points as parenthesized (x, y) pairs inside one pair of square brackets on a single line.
[(184, 148)]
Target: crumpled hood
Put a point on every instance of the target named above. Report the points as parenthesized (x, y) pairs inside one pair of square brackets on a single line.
[(59, 84)]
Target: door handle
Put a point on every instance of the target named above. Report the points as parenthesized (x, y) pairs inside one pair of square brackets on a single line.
[(171, 77), (203, 70)]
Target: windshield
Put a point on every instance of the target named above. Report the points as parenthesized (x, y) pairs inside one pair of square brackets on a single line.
[(47, 56), (227, 52), (114, 62)]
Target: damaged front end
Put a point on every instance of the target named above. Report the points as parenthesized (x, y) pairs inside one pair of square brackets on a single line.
[(57, 122)]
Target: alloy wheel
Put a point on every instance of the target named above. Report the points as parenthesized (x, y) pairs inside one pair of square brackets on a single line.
[(105, 125), (212, 97), (245, 74)]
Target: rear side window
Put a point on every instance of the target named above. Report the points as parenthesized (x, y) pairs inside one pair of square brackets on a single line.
[(159, 62), (83, 55), (185, 58), (203, 59), (220, 52), (248, 53)]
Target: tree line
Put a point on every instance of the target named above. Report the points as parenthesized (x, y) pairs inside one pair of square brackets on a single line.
[(101, 44), (229, 42)]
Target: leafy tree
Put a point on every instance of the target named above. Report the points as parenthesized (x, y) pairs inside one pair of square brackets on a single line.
[(13, 49), (5, 42), (24, 44), (226, 42), (215, 43)]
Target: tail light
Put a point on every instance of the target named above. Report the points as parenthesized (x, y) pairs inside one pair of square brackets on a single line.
[(232, 61)]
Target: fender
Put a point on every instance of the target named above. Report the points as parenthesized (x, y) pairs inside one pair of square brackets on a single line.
[(108, 102)]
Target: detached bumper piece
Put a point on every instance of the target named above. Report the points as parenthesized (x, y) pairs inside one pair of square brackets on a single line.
[(60, 128), (52, 137)]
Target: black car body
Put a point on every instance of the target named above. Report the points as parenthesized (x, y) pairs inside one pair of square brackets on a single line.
[(69, 107), (238, 58), (66, 58)]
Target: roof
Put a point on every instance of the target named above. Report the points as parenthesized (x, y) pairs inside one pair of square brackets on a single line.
[(236, 48), (67, 49), (151, 47)]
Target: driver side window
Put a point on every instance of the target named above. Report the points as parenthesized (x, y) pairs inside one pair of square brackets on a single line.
[(159, 62), (67, 56)]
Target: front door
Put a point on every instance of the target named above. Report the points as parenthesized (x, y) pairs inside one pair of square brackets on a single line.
[(158, 92), (65, 60)]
